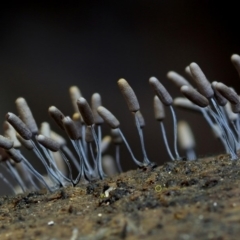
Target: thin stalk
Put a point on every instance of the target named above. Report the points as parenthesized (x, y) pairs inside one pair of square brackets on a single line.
[(117, 156), (7, 183), (98, 158), (166, 141), (140, 132), (128, 147), (15, 175), (175, 132)]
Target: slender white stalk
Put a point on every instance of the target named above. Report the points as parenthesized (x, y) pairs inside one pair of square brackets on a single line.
[(128, 147), (140, 132), (166, 141), (175, 132)]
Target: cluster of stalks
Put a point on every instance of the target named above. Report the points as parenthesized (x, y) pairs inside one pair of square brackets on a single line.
[(218, 103)]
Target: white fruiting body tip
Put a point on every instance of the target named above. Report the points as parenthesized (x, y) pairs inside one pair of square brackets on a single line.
[(194, 96), (109, 165), (75, 94), (52, 109), (45, 129), (129, 95), (161, 91), (105, 143), (235, 58), (185, 104), (177, 79), (188, 71), (56, 115), (185, 135), (108, 117), (40, 137), (200, 79)]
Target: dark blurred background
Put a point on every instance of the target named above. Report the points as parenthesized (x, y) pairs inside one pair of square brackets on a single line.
[(47, 47)]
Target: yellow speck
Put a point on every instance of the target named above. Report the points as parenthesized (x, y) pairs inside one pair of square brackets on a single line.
[(158, 188), (102, 195)]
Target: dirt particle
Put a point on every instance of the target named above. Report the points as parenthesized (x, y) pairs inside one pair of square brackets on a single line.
[(121, 184), (92, 187), (114, 196), (188, 182), (210, 183), (171, 183), (183, 202), (179, 215), (71, 209), (37, 232), (168, 167)]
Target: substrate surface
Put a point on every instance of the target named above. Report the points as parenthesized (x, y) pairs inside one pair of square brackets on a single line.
[(179, 200)]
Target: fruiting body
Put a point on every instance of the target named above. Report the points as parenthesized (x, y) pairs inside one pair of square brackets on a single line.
[(218, 103)]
